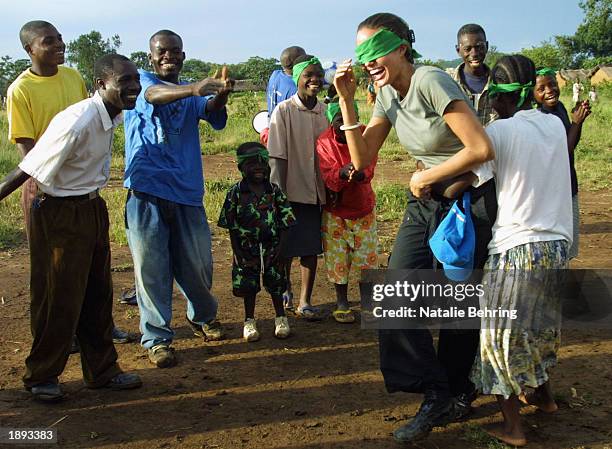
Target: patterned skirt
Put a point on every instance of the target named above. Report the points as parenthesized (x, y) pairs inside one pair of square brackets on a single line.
[(349, 243), (516, 353)]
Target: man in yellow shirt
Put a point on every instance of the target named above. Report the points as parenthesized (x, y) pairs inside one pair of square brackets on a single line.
[(39, 93), (36, 96)]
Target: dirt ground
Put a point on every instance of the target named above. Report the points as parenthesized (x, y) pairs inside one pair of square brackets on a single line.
[(321, 388)]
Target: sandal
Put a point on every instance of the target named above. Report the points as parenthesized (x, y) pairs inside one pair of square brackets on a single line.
[(310, 313), (344, 316)]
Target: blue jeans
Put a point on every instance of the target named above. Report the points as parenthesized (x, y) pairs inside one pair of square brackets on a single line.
[(169, 241)]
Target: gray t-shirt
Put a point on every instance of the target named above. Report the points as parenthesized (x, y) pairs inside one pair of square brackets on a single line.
[(417, 118)]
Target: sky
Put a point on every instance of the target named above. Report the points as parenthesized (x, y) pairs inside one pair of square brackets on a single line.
[(232, 32)]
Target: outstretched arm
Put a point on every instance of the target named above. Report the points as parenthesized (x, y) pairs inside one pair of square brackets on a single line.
[(12, 182), (167, 93)]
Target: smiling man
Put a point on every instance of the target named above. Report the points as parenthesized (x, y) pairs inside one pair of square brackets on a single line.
[(473, 74), (70, 284), (167, 228), (39, 93)]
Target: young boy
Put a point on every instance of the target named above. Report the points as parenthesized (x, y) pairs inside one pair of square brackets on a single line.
[(257, 214), (294, 127), (70, 282), (546, 94), (349, 220)]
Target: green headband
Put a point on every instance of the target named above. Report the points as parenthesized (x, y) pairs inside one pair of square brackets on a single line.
[(546, 71), (380, 44), (299, 68), (512, 87), (334, 108), (261, 153)]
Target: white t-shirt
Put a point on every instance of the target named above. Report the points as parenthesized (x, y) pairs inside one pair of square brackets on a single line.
[(73, 155), (532, 178)]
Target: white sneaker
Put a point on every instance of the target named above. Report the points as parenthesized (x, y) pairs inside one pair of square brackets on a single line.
[(281, 327), (250, 332)]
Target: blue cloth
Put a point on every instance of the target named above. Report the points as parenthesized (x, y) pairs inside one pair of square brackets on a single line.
[(280, 88), (476, 84), (162, 145), (454, 241), (169, 241)]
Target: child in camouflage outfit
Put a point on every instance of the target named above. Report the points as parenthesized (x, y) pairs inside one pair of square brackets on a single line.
[(257, 215)]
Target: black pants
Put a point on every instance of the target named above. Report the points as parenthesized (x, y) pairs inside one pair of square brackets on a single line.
[(408, 359)]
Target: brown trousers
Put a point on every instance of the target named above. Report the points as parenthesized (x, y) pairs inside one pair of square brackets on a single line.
[(71, 290)]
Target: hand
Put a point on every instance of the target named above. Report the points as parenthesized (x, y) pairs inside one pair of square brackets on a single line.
[(345, 82), (207, 86), (420, 189), (227, 81), (347, 171), (581, 111)]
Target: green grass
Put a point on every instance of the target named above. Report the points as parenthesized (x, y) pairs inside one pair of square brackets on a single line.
[(11, 217), (593, 163)]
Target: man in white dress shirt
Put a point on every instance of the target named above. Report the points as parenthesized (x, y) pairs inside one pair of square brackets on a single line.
[(70, 284)]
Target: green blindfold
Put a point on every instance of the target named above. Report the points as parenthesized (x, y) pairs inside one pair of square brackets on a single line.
[(334, 108), (380, 44), (299, 68), (262, 154), (495, 89), (546, 71)]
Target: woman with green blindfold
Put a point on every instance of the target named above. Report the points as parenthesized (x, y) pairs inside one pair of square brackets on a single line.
[(435, 123)]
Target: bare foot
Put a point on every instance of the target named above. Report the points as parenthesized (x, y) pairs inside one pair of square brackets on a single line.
[(547, 405), (516, 438)]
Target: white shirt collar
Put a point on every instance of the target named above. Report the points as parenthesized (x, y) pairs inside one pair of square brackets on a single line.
[(316, 110), (107, 123)]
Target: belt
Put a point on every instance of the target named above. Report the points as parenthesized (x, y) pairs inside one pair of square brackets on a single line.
[(87, 196)]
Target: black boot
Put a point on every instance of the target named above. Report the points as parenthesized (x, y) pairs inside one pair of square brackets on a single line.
[(435, 405), (461, 408)]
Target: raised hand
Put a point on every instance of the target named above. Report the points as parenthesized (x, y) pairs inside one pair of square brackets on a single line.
[(345, 82), (581, 111)]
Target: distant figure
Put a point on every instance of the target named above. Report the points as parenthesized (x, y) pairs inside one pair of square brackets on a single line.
[(576, 88), (592, 95), (371, 93)]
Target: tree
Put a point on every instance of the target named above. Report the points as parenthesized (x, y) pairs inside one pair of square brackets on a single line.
[(594, 35), (194, 70), (84, 51), (9, 70), (493, 55), (592, 41), (258, 69), (548, 55), (141, 59)]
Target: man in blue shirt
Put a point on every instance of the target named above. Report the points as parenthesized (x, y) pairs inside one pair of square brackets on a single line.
[(166, 223), (280, 85)]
